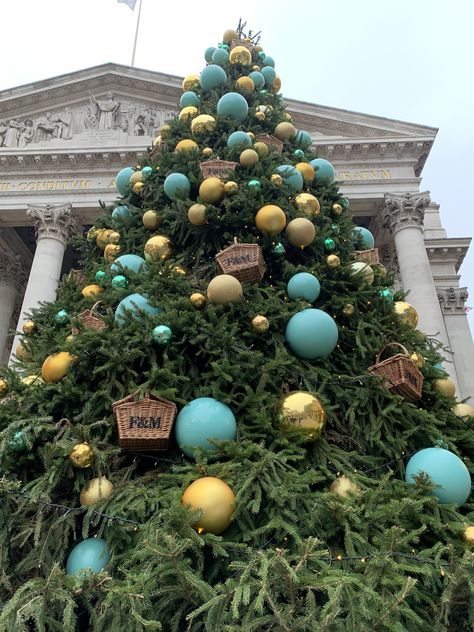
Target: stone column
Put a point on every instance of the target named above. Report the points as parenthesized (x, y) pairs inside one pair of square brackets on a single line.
[(403, 215), (12, 279), (53, 225)]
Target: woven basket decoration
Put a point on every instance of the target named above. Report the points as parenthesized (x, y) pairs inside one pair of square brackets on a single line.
[(238, 42), (367, 256), (144, 424), (400, 373), (76, 276), (90, 320), (218, 168), (274, 144), (245, 262)]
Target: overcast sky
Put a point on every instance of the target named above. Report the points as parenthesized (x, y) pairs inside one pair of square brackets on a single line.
[(410, 60)]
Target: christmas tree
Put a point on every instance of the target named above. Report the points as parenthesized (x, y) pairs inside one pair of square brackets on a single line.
[(198, 435)]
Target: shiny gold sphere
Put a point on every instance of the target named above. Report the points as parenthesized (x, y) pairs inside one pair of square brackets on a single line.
[(157, 141), (285, 131), (261, 149), (248, 158), (32, 380), (151, 219), (3, 387), (380, 269), (229, 35), (111, 252), (348, 309), (158, 248), (102, 238), (197, 215), (463, 410), (288, 117), (207, 152), (92, 233), (300, 232), (138, 187), (343, 486), (336, 209), (214, 499), (260, 324), (203, 124), (260, 116), (302, 412), (114, 237), (224, 289), (165, 131), (418, 359), (180, 270), (136, 177), (188, 113), (96, 490), (92, 290), (444, 387), (231, 187), (258, 48), (362, 272), (306, 171), (247, 40), (307, 204), (22, 352), (270, 219), (245, 84), (468, 535), (240, 55), (197, 300), (56, 366), (333, 261), (29, 327), (276, 179), (406, 312), (69, 338), (82, 456), (191, 82), (277, 84), (187, 145), (211, 190)]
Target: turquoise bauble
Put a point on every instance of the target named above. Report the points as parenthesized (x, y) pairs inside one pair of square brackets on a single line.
[(303, 138), (254, 184), (208, 56), (311, 334), (269, 75), (292, 178), (122, 180), (61, 317), (147, 171), (299, 153), (368, 241), (258, 79), (91, 555), (386, 293), (323, 171), (17, 443), (233, 105), (162, 334), (120, 213), (177, 186), (239, 140), (446, 470), (136, 305), (303, 285), (119, 282), (100, 276), (268, 61), (220, 57), (212, 77), (128, 263), (329, 243), (187, 99), (203, 419)]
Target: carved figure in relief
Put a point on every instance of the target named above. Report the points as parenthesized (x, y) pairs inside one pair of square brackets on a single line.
[(64, 120), (106, 110), (89, 117), (12, 134), (45, 128), (3, 131), (139, 128), (27, 134)]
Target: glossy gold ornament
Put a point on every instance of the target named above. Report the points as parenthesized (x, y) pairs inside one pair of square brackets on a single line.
[(468, 535), (211, 190), (69, 338), (203, 124), (102, 238), (197, 300), (277, 84), (333, 261), (245, 84), (188, 113), (308, 204), (96, 490), (224, 289), (191, 82), (56, 366), (258, 48), (92, 233), (300, 232), (187, 145), (32, 380), (463, 411), (276, 179), (181, 270), (248, 158), (82, 456), (114, 237), (138, 187), (418, 359), (29, 327), (260, 116), (229, 35), (260, 324), (343, 486), (3, 387), (197, 214), (348, 309), (207, 152), (287, 116), (261, 149), (285, 131), (240, 55), (380, 270), (136, 177), (151, 219), (158, 248), (406, 312), (336, 209), (22, 352), (214, 499), (111, 252), (444, 387), (270, 219), (92, 290), (302, 412), (306, 171), (231, 187)]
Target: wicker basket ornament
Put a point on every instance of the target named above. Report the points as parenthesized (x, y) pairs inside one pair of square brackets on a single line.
[(77, 276), (238, 42), (144, 424), (218, 168), (245, 262), (370, 257), (400, 373), (90, 320), (274, 144)]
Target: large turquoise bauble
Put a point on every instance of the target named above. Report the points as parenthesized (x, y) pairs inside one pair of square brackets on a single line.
[(368, 240), (233, 105), (311, 334), (91, 555), (212, 77), (258, 79), (239, 140), (177, 186), (128, 263), (203, 419), (291, 177), (136, 305), (323, 171), (302, 138), (220, 57), (187, 99), (268, 61), (303, 285), (122, 180), (120, 214), (269, 75), (446, 470), (208, 53), (147, 171)]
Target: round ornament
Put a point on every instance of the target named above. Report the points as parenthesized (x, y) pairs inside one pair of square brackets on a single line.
[(3, 387), (220, 57), (158, 248), (207, 152), (135, 305), (348, 309), (240, 55), (17, 443), (56, 366), (211, 190), (224, 289), (299, 154), (89, 556), (343, 486), (261, 149), (311, 334), (406, 312), (189, 99), (151, 219), (362, 272), (444, 387), (303, 139), (418, 359), (468, 535), (165, 131), (300, 232), (120, 214), (191, 82), (215, 501), (32, 380), (203, 124), (231, 187), (329, 243), (197, 214), (260, 116), (257, 78), (187, 113), (254, 184), (386, 293), (122, 181), (177, 186), (229, 35), (102, 238), (446, 470), (277, 84), (119, 282), (137, 176), (208, 54), (260, 324), (233, 105), (305, 169), (147, 171), (463, 411), (276, 179), (29, 327), (128, 263), (245, 84), (303, 285), (239, 140), (285, 131), (82, 456), (324, 172), (138, 187), (368, 241), (212, 77), (248, 158), (270, 219), (301, 412), (162, 334), (197, 300), (186, 145), (92, 290), (92, 233), (269, 74), (268, 61), (22, 353), (61, 317), (111, 252), (336, 209), (292, 178), (96, 490), (114, 237)]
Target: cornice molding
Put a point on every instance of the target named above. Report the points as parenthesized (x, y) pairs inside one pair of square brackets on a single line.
[(450, 250)]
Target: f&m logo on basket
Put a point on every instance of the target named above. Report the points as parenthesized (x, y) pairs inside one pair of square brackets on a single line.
[(134, 421)]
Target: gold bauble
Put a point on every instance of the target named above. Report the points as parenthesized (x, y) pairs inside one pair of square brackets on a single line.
[(191, 82), (348, 309), (181, 270), (343, 486), (261, 149), (308, 204), (463, 410), (97, 489), (333, 261), (260, 324), (276, 179), (245, 84), (188, 113), (407, 313), (92, 233), (187, 145), (285, 131), (306, 171), (211, 190), (136, 177), (69, 338), (270, 219), (277, 84), (336, 209), (138, 187), (3, 387), (240, 55), (102, 238), (361, 271), (214, 499), (29, 327), (248, 40), (203, 124), (380, 269), (260, 116), (158, 248), (248, 158), (114, 237), (302, 412), (231, 187), (224, 289), (32, 380), (300, 232), (258, 48), (111, 252), (251, 135), (165, 131), (229, 35), (197, 214), (418, 359), (207, 152), (82, 455), (157, 141), (92, 290), (288, 117), (444, 387), (56, 366), (22, 352), (468, 535), (256, 68), (151, 219), (197, 300)]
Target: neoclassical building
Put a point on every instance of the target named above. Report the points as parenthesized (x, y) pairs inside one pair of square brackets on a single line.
[(62, 140)]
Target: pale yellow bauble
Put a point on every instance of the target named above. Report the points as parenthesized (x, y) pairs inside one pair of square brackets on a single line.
[(418, 359), (191, 82), (165, 131), (197, 300), (151, 219), (245, 84), (240, 55), (187, 145), (188, 113), (308, 204), (203, 124), (211, 190), (96, 490), (138, 187), (260, 116), (56, 366), (300, 232), (463, 410), (468, 535), (224, 289), (285, 131), (444, 387), (261, 149), (207, 152), (333, 261), (136, 177), (248, 158), (277, 84), (343, 485), (32, 380), (214, 499), (231, 187), (270, 219), (362, 272), (306, 171), (229, 35), (114, 237), (92, 290), (197, 215)]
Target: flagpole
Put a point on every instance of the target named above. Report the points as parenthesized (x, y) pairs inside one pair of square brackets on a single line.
[(136, 34)]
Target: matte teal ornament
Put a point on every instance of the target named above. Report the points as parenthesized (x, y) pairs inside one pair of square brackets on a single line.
[(335, 229), (329, 243), (120, 214), (61, 317), (239, 140), (270, 75), (129, 263), (233, 105), (344, 202), (257, 78), (311, 334), (368, 241), (303, 285), (299, 153), (303, 138), (135, 305), (17, 442), (324, 172), (268, 61), (91, 555), (220, 57), (119, 282), (204, 419), (122, 180), (386, 293), (147, 171), (187, 99), (447, 471), (254, 184), (100, 277), (278, 249), (162, 334), (212, 77), (208, 57), (292, 178), (177, 186)]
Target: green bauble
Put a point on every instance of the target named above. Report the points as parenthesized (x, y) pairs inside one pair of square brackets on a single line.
[(329, 244), (162, 334), (61, 317), (299, 153), (254, 184), (119, 282), (278, 249), (100, 276)]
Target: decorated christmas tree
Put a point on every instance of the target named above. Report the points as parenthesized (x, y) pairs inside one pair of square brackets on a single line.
[(227, 420)]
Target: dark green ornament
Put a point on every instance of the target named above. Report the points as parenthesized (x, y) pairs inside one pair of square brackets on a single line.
[(17, 442), (299, 153), (344, 202), (224, 46), (119, 282), (329, 244), (100, 276), (162, 334), (254, 184), (278, 249), (386, 293), (335, 229), (61, 317)]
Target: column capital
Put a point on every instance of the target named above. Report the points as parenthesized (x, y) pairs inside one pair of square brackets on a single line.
[(53, 221), (12, 272), (452, 299), (403, 210)]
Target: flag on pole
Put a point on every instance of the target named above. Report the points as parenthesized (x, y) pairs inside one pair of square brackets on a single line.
[(129, 3)]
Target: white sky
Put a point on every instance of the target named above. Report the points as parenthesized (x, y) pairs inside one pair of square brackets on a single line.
[(410, 60)]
